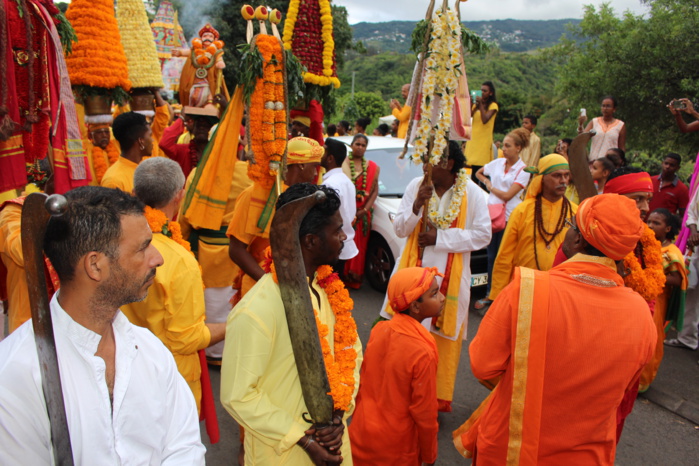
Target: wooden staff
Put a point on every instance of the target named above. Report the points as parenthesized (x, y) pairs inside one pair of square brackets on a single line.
[(580, 166), (293, 286), (36, 212)]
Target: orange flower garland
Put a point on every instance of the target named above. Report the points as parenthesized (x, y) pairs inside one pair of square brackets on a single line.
[(159, 223), (268, 118), (341, 363), (648, 281), (100, 157), (98, 58)]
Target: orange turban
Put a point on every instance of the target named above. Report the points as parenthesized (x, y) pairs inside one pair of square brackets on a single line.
[(304, 150), (408, 284), (629, 183), (97, 126), (611, 224)]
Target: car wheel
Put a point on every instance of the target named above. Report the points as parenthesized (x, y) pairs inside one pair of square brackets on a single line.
[(379, 263)]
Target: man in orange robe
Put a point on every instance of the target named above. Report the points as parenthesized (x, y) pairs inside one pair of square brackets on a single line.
[(399, 378), (562, 364)]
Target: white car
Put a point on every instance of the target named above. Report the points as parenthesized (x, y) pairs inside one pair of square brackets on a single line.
[(384, 246)]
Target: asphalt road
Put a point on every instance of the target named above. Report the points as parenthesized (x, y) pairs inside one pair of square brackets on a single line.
[(652, 435)]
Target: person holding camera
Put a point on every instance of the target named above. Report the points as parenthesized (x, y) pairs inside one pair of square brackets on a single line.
[(676, 107)]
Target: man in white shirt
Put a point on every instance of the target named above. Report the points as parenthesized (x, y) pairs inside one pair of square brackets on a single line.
[(334, 177), (125, 401)]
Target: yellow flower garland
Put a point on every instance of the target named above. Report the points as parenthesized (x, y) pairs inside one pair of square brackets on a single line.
[(139, 46), (648, 281), (340, 365), (328, 78)]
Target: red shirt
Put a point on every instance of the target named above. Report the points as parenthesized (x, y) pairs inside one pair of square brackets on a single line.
[(673, 196)]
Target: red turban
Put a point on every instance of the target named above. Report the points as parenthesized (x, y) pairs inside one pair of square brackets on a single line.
[(209, 28), (630, 183), (610, 223), (314, 116), (408, 284)]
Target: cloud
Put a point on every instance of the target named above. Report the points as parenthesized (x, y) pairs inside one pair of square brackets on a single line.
[(476, 10)]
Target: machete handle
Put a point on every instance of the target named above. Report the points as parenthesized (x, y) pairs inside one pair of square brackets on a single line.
[(36, 213), (298, 307), (580, 166)]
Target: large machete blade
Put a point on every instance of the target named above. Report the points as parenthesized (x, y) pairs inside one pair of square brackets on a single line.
[(580, 167), (293, 286), (36, 212)]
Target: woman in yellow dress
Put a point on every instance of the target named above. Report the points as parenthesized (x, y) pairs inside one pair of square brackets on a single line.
[(479, 150), (669, 305)]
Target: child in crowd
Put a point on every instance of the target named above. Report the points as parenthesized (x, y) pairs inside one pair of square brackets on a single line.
[(397, 399), (600, 169), (669, 305)]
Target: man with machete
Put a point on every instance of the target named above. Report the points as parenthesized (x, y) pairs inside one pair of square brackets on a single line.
[(261, 385), (125, 402)]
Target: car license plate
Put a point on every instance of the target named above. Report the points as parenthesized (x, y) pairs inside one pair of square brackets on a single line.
[(479, 280)]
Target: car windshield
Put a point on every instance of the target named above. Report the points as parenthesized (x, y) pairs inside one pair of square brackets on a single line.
[(396, 173)]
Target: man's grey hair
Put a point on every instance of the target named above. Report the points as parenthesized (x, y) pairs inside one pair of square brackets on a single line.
[(157, 181)]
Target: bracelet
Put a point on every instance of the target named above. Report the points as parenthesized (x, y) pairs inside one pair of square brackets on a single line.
[(308, 443)]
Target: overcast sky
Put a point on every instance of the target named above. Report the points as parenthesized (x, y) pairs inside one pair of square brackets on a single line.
[(474, 10)]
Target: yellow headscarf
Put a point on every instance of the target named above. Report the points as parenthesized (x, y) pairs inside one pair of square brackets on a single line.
[(303, 150), (548, 164)]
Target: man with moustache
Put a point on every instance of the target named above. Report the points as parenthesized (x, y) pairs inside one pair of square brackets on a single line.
[(536, 227), (125, 401), (260, 384)]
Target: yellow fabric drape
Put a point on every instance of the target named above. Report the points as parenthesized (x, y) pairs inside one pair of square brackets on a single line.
[(207, 197), (447, 321)]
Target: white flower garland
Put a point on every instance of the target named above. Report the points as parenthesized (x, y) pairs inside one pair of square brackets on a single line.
[(444, 222), (442, 69)]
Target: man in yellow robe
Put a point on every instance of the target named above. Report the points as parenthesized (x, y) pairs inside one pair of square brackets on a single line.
[(18, 311), (135, 137), (174, 307), (536, 227), (260, 384), (402, 112)]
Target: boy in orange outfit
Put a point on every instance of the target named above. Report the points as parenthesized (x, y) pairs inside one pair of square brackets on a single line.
[(397, 399)]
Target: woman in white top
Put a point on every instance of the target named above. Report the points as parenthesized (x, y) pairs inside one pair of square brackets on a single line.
[(610, 132), (504, 178)]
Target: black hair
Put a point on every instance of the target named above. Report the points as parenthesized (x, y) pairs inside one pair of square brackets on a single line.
[(127, 128), (363, 122), (531, 118), (319, 216), (567, 141), (384, 129), (457, 155), (360, 135), (344, 124), (590, 250), (620, 171), (92, 222), (607, 164), (492, 97), (674, 156), (337, 149), (673, 221), (332, 129), (612, 98), (619, 157)]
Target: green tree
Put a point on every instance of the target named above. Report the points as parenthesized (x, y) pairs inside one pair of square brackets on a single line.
[(643, 61), (365, 104)]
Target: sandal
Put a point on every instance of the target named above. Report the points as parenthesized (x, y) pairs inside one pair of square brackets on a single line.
[(482, 304), (674, 342)]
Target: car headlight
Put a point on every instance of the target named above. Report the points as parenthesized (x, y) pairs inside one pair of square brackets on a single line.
[(391, 216)]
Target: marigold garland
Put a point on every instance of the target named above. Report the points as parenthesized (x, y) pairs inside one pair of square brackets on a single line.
[(303, 38), (159, 223), (138, 43), (341, 363), (268, 114), (103, 159), (442, 69), (98, 58), (648, 281)]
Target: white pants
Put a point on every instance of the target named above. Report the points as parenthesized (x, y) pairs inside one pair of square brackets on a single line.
[(689, 334), (218, 306)]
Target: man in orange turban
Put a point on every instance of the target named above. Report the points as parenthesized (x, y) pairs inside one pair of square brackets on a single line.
[(538, 338), (249, 228), (399, 378)]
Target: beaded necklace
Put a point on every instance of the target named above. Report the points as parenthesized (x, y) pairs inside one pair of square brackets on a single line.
[(539, 225), (361, 193)]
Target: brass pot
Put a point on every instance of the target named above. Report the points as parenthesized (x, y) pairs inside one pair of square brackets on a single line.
[(142, 100), (98, 105)]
